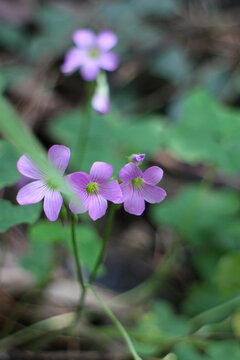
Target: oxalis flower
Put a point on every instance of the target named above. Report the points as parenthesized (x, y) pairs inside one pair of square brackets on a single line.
[(92, 53), (138, 187), (94, 190), (35, 191)]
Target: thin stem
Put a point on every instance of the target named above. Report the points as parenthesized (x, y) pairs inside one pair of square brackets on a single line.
[(75, 251), (104, 244), (83, 136), (118, 325)]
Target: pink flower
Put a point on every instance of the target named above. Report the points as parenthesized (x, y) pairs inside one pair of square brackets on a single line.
[(41, 187), (91, 54), (138, 187), (94, 190), (101, 103)]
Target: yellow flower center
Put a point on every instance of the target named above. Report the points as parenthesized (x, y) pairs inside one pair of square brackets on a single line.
[(92, 188), (137, 182)]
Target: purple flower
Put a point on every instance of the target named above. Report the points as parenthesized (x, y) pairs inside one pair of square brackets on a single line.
[(137, 158), (94, 190), (41, 187), (138, 187), (91, 54), (101, 103)]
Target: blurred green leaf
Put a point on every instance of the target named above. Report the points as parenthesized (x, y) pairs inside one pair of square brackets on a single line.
[(201, 297), (161, 322), (38, 259), (206, 132), (111, 137), (197, 211), (188, 352), (15, 214), (54, 232), (222, 350), (227, 273), (8, 160)]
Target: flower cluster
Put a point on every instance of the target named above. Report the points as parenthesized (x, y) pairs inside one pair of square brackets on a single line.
[(91, 191)]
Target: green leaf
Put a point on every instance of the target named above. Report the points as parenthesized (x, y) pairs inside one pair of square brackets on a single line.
[(111, 137), (202, 297), (227, 273), (222, 350), (188, 352), (206, 132), (197, 211), (54, 232), (38, 259), (8, 161), (15, 214), (161, 322)]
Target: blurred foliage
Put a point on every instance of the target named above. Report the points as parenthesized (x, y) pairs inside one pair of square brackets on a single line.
[(49, 233), (12, 215), (8, 159)]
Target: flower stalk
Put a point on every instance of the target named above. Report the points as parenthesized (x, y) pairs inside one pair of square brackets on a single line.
[(104, 243)]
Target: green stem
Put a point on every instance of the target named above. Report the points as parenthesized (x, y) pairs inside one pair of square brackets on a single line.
[(83, 136), (75, 251), (104, 244), (118, 325)]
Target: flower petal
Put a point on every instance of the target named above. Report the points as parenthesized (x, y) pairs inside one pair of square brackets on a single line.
[(32, 193), (78, 182), (97, 206), (126, 190), (84, 38), (52, 204), (90, 70), (111, 191), (153, 175), (106, 40), (27, 168), (153, 194), (59, 155), (101, 103), (100, 172), (74, 59), (129, 172), (109, 61), (79, 204), (135, 204)]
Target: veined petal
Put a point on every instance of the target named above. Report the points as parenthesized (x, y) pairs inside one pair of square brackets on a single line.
[(84, 38), (135, 203), (153, 175), (90, 70), (111, 191), (106, 40), (78, 182), (153, 194), (74, 59), (100, 172), (59, 155), (32, 193), (126, 188), (129, 172), (109, 61), (97, 206), (27, 168), (79, 204), (52, 204)]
